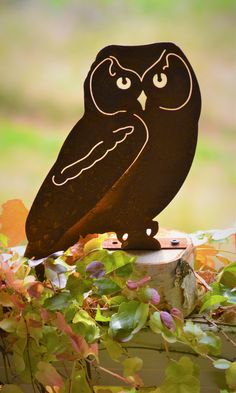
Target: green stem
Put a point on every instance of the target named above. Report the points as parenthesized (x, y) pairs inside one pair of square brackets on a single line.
[(198, 319), (5, 358), (72, 376), (221, 331), (5, 367), (28, 355), (115, 375), (166, 349)]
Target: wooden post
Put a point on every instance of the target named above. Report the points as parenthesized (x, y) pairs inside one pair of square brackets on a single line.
[(171, 271)]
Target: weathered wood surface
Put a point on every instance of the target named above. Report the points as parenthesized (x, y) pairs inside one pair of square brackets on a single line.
[(171, 271)]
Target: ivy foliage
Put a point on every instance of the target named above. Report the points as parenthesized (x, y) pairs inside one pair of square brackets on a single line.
[(93, 299)]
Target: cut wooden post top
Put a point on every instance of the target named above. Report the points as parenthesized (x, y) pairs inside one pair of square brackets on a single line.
[(170, 269)]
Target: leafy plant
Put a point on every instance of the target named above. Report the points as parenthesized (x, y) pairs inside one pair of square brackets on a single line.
[(52, 331)]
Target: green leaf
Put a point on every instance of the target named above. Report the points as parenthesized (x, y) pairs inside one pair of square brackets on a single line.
[(227, 276), (94, 244), (58, 302), (78, 286), (181, 377), (222, 364), (8, 324), (106, 286), (132, 366), (77, 383), (210, 343), (101, 318), (192, 330), (230, 294), (99, 255), (55, 271), (11, 389), (157, 326), (54, 342), (117, 300), (155, 322), (125, 271), (19, 362), (221, 290), (230, 375), (116, 260), (85, 326), (168, 336), (18, 349), (228, 279), (3, 240), (213, 302), (83, 317), (112, 260), (113, 348), (129, 319), (34, 355)]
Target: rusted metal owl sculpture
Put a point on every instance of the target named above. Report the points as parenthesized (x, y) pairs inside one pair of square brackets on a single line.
[(127, 157)]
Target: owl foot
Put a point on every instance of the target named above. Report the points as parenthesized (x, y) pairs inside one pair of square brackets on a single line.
[(141, 239)]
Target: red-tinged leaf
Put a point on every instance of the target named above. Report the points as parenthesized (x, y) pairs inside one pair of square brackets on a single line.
[(47, 375), (79, 344), (207, 276), (17, 302), (138, 283), (77, 250), (66, 356), (6, 299), (35, 289), (61, 324), (223, 259), (229, 315), (45, 315), (12, 221), (94, 350), (34, 324)]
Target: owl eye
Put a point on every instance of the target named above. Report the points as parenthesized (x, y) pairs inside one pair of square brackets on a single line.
[(123, 83), (160, 81)]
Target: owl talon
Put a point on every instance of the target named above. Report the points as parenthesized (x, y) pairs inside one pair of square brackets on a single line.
[(139, 240), (154, 228)]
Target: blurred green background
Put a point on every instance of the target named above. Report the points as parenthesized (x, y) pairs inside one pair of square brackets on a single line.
[(46, 49)]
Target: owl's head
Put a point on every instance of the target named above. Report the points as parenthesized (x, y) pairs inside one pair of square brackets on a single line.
[(133, 79)]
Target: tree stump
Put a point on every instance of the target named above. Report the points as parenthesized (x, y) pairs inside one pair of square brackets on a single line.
[(171, 271)]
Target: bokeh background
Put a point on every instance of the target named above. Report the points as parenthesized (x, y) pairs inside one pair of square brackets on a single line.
[(46, 49)]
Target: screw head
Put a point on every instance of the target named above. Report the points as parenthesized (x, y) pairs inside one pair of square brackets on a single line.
[(174, 242)]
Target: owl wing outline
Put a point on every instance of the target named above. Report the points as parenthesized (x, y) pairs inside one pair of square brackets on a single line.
[(97, 153), (86, 180)]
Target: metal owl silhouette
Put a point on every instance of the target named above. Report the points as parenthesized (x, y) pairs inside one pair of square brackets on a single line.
[(127, 157)]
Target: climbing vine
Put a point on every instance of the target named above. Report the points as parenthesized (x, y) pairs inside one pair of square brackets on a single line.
[(89, 299)]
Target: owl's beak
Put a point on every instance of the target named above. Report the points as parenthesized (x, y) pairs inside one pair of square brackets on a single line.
[(142, 100)]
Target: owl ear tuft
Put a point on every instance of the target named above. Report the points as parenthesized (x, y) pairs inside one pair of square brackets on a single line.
[(113, 67)]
